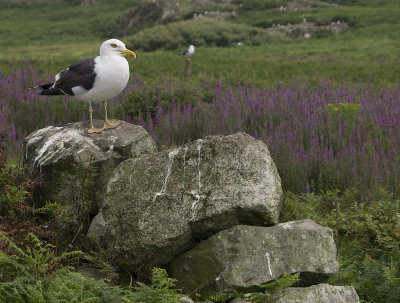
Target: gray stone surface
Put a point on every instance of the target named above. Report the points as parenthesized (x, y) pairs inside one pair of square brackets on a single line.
[(186, 300), (158, 205), (236, 258), (321, 293), (62, 154), (96, 230)]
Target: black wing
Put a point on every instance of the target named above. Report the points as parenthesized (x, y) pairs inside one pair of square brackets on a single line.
[(80, 73)]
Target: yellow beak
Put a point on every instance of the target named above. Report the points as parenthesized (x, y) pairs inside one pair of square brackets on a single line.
[(129, 53)]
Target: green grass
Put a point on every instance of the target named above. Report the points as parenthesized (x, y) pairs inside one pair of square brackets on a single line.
[(336, 58), (310, 60), (55, 34), (58, 22)]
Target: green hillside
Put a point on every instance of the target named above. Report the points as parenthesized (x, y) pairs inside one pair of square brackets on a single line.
[(55, 33)]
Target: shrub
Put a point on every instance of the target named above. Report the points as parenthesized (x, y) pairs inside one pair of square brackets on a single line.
[(205, 32), (162, 94)]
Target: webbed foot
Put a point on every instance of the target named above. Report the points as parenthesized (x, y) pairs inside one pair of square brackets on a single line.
[(95, 130), (109, 124)]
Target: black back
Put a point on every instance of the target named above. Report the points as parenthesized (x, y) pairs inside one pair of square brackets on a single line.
[(80, 73)]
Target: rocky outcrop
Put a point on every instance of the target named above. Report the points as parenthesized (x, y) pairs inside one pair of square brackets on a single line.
[(309, 29), (150, 13), (321, 293), (204, 209), (158, 205), (147, 13), (236, 258), (77, 165)]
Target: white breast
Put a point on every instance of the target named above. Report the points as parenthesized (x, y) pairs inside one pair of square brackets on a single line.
[(112, 75)]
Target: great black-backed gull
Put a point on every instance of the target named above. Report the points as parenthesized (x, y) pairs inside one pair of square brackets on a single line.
[(188, 52), (94, 79)]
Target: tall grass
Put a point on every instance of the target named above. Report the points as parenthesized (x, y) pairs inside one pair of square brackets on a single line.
[(50, 22), (320, 138)]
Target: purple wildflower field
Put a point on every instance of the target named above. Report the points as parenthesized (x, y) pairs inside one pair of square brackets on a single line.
[(321, 138)]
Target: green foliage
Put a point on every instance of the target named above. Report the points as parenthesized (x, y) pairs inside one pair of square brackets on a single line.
[(367, 233), (57, 22), (36, 275), (347, 111), (375, 280), (64, 285), (37, 261), (10, 194), (200, 33), (159, 291), (10, 191), (49, 210), (274, 290), (162, 94), (226, 297)]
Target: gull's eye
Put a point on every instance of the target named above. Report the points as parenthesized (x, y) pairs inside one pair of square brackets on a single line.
[(113, 45)]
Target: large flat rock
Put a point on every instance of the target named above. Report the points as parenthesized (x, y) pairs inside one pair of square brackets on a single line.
[(236, 258), (159, 205), (63, 156)]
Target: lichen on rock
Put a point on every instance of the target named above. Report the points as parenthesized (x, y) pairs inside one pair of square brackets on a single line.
[(159, 205), (62, 155)]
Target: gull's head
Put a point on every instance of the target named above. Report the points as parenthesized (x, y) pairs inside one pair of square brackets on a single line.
[(114, 47)]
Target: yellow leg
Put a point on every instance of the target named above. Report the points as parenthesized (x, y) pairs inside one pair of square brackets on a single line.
[(108, 123), (92, 129)]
